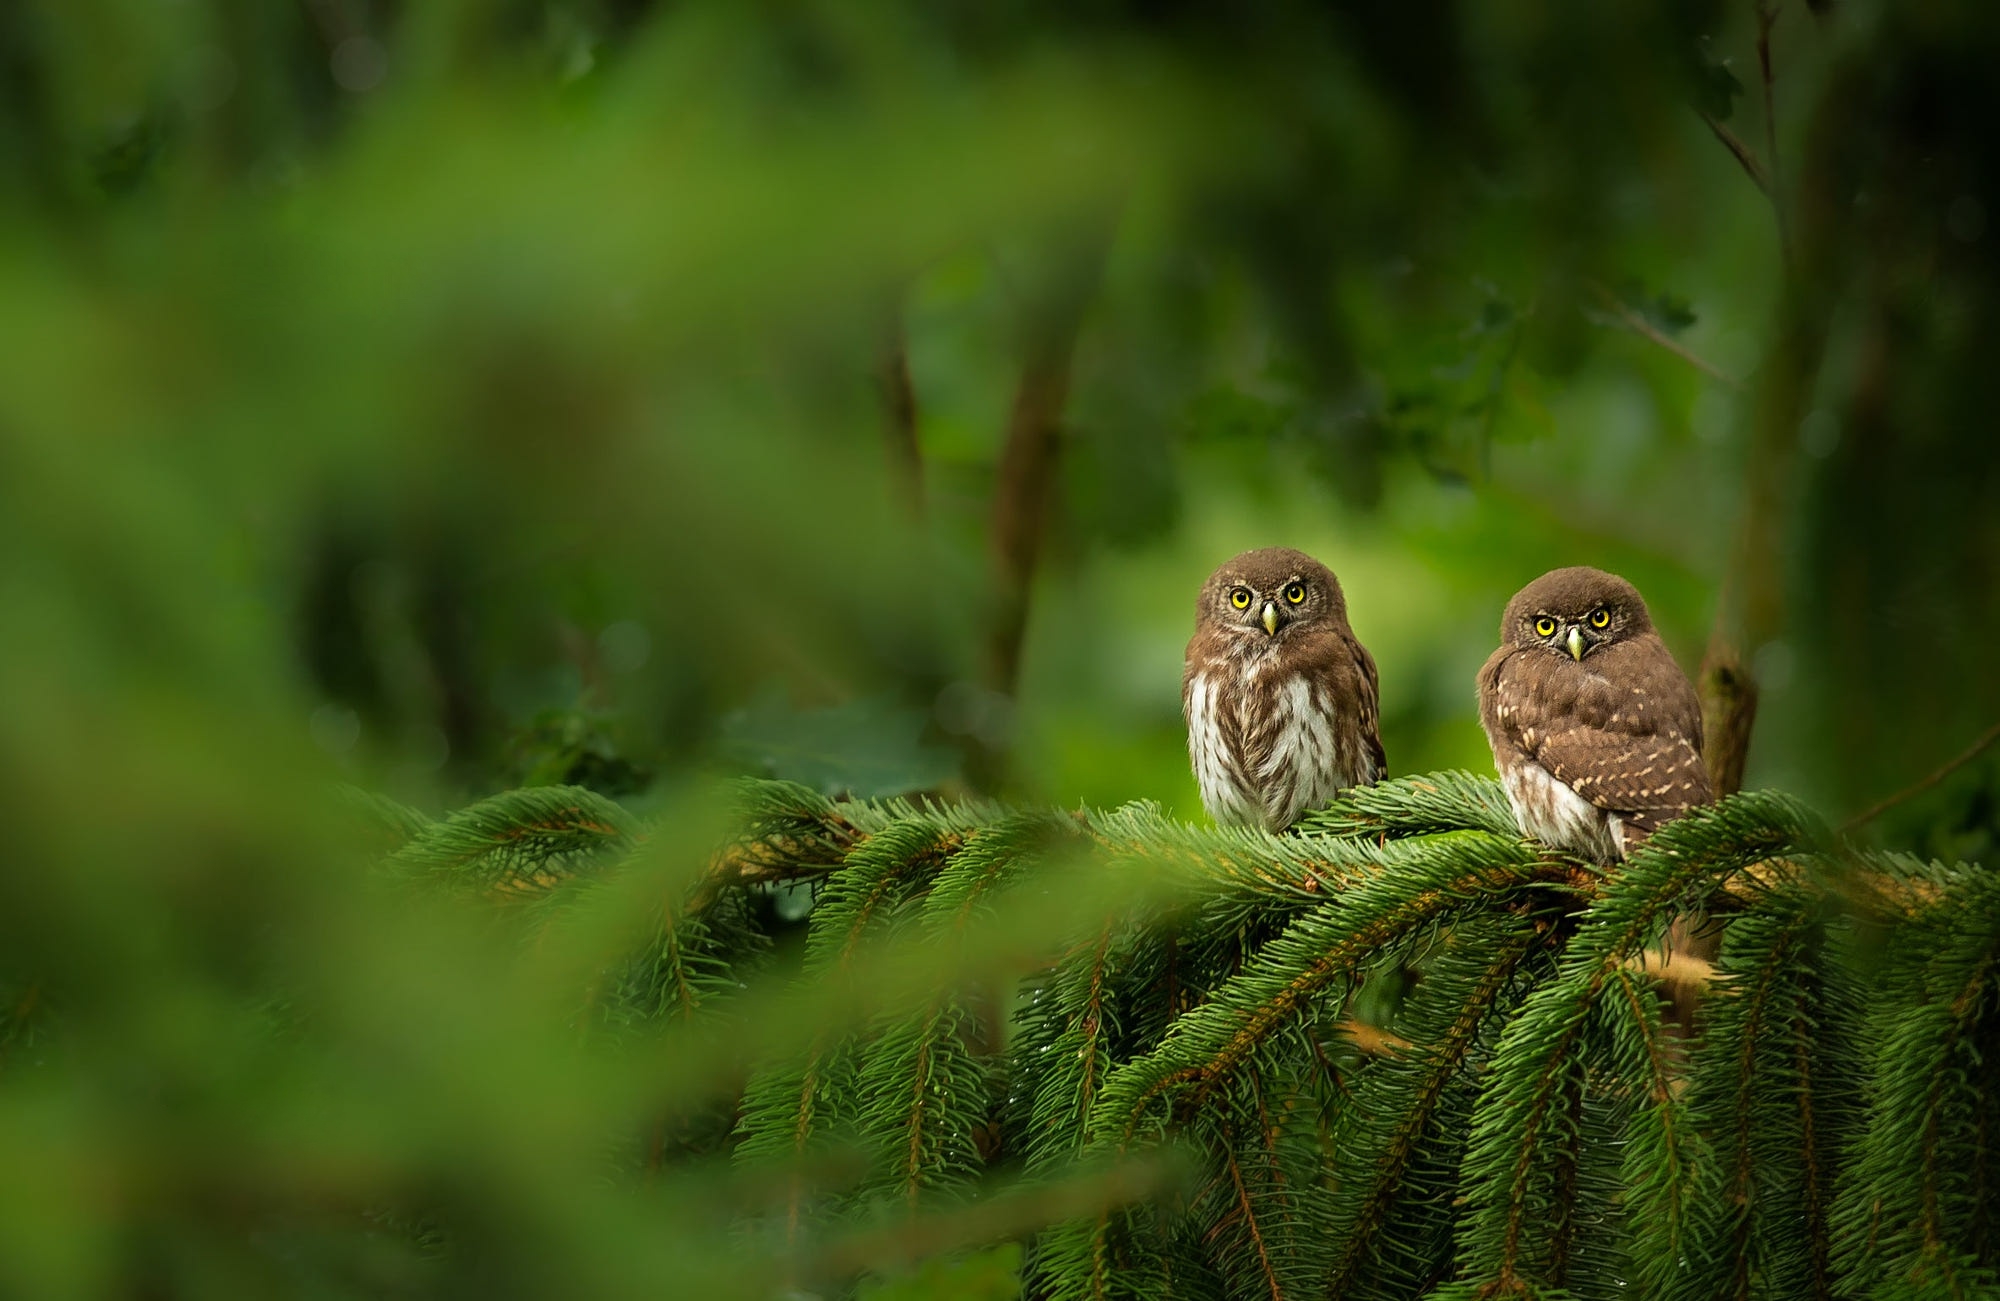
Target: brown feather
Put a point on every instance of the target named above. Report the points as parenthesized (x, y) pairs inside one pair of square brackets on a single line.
[(1277, 722), (1620, 728)]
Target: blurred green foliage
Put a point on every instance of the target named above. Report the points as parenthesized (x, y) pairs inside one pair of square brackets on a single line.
[(444, 397)]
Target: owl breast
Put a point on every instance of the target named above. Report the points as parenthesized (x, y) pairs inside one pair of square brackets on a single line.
[(1215, 745), (1282, 751), (1554, 814)]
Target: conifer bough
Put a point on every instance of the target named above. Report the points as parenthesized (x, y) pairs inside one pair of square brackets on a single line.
[(1008, 1008)]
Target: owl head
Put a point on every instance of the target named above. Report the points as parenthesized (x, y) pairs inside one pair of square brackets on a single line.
[(1573, 612), (1266, 592)]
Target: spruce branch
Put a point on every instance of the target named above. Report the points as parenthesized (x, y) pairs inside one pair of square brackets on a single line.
[(1523, 1122), (1011, 1211), (794, 1107), (1071, 1034), (1246, 1210), (928, 1082), (1404, 1128), (1772, 1088), (1662, 1155), (517, 844), (396, 822), (1525, 1130), (1402, 806), (1319, 953), (1917, 1208)]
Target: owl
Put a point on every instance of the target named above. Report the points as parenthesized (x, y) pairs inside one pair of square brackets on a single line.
[(1280, 697), (1594, 728)]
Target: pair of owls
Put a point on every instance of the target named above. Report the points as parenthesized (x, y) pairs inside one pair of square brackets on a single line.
[(1594, 728)]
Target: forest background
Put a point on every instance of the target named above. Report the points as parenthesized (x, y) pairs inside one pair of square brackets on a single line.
[(439, 399)]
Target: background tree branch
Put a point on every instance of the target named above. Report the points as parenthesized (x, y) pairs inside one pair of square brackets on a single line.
[(1026, 474), (899, 415)]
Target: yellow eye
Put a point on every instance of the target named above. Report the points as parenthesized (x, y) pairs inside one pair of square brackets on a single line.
[(1600, 618), (1295, 592), (1240, 597), (1545, 627)]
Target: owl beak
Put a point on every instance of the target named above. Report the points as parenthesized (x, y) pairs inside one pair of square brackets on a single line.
[(1271, 618), (1575, 642)]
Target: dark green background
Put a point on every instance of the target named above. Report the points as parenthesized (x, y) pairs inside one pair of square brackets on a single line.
[(441, 397)]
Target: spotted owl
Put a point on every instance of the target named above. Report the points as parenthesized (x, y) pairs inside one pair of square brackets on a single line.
[(1280, 697), (1594, 728)]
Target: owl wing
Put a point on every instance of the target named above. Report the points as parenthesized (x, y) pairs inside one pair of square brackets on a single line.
[(1337, 679), (1642, 763), (1647, 781), (1370, 714)]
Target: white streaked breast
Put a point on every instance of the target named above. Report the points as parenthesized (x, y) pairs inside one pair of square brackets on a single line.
[(1226, 801)]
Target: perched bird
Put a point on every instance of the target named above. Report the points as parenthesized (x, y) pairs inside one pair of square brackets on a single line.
[(1280, 697), (1595, 730)]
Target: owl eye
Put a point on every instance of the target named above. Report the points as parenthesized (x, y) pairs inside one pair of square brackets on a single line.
[(1545, 627), (1600, 618), (1240, 597), (1295, 592)]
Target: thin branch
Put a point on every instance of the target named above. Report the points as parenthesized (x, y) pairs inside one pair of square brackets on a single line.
[(1020, 500), (1816, 1193), (1744, 154), (1971, 752), (899, 428), (1748, 613), (1250, 1222), (1639, 325), (1373, 1040), (1052, 316)]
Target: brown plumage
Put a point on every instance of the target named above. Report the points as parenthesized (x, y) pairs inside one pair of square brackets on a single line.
[(1280, 697), (1594, 728)]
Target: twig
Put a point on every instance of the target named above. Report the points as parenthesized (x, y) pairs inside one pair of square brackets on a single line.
[(1373, 1039), (899, 402), (1744, 154), (1020, 500), (1025, 477), (1973, 751), (1749, 611), (1640, 325)]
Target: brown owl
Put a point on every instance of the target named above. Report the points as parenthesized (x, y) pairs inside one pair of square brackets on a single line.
[(1280, 697), (1595, 729)]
